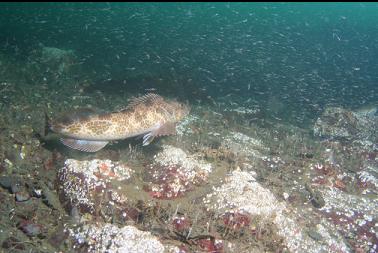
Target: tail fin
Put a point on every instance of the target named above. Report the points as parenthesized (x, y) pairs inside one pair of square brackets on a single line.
[(47, 128)]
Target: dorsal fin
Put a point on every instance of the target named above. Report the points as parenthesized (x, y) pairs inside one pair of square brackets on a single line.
[(146, 99)]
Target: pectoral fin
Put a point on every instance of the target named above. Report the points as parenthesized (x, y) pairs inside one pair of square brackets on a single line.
[(84, 145), (160, 130), (148, 138), (168, 128)]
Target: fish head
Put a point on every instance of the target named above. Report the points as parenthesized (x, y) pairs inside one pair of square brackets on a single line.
[(181, 110)]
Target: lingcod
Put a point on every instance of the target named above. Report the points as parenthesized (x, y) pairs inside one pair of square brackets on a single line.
[(149, 116)]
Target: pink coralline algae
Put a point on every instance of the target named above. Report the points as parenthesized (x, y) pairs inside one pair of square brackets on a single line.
[(173, 173), (83, 181), (354, 217), (236, 220), (168, 182), (210, 245), (181, 223)]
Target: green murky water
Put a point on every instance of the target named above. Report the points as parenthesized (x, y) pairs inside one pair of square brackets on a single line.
[(282, 94)]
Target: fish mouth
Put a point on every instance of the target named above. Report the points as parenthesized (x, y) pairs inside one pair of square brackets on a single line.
[(186, 109)]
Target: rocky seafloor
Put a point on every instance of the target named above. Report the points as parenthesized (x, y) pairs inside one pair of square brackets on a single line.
[(224, 183)]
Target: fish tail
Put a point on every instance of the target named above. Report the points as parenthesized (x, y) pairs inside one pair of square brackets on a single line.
[(47, 128)]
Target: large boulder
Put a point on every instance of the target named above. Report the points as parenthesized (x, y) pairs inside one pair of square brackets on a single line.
[(106, 237), (85, 183), (340, 123)]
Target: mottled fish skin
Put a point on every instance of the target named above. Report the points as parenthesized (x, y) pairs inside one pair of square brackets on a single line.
[(143, 115)]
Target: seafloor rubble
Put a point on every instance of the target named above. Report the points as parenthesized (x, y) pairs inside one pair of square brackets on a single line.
[(224, 183)]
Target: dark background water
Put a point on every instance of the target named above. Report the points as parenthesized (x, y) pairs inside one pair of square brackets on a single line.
[(291, 59)]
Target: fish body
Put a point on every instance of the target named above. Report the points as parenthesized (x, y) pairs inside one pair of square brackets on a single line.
[(150, 115)]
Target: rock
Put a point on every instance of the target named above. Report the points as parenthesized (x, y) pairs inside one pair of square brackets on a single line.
[(50, 198), (105, 237), (314, 235), (315, 196), (13, 243), (6, 182), (13, 184), (339, 123), (28, 208), (30, 229), (353, 215), (317, 200), (241, 144), (183, 128), (58, 237), (174, 172), (22, 196), (242, 193), (84, 182), (16, 187), (75, 215)]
